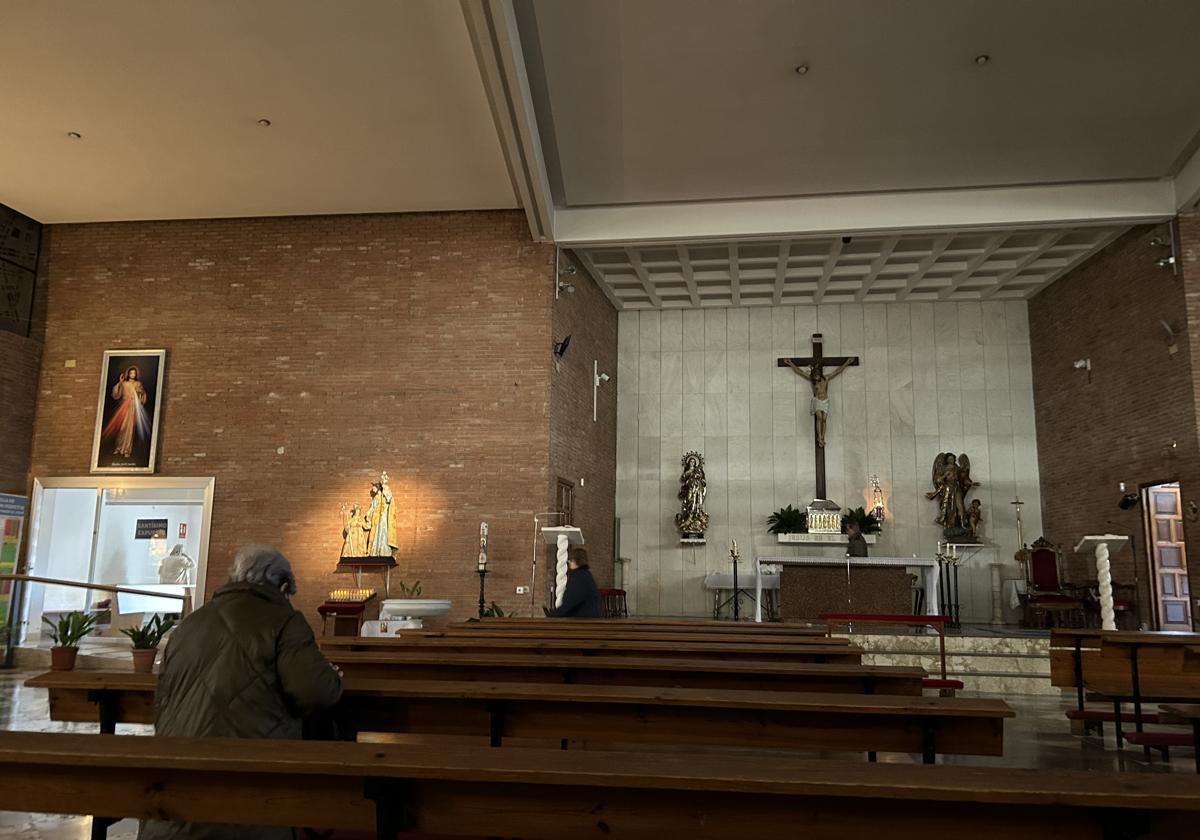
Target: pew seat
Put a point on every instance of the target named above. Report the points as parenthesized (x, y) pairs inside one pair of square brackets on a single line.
[(555, 795)]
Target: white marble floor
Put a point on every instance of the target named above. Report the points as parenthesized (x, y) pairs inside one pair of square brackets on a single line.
[(1037, 737)]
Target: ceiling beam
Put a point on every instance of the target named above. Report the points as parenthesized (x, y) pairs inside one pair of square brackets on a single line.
[(1128, 202), (939, 246), (1102, 243), (1044, 244), (597, 275), (781, 267), (689, 276), (635, 261), (492, 27), (1187, 185), (885, 252), (979, 259), (831, 261), (735, 277)]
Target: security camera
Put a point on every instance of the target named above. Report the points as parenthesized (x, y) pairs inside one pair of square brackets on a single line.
[(604, 377)]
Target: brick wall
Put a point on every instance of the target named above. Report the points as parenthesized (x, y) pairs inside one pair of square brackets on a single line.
[(307, 354), (1121, 425), (583, 451)]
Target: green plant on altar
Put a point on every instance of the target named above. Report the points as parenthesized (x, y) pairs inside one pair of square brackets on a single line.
[(70, 629), (787, 520), (493, 611), (407, 591), (867, 523), (151, 635)]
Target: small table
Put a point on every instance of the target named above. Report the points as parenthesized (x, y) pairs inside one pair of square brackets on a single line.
[(764, 587), (347, 616)]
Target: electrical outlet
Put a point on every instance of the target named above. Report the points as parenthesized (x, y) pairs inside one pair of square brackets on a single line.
[(522, 590)]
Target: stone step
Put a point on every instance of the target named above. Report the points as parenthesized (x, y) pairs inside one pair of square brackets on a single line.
[(1024, 665), (1031, 646), (988, 664)]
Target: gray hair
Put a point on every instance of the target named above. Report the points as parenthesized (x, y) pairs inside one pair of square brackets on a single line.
[(263, 564)]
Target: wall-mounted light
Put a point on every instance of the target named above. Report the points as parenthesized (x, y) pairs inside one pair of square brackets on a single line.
[(1084, 364), (562, 270), (560, 350), (598, 379), (1166, 243)]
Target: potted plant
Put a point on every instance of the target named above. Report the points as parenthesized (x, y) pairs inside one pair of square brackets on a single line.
[(146, 640), (787, 520), (67, 633), (867, 523)]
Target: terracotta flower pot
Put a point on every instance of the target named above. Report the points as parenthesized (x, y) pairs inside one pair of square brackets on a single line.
[(143, 660), (63, 658)]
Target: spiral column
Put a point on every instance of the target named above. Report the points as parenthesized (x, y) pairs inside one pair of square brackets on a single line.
[(1108, 618)]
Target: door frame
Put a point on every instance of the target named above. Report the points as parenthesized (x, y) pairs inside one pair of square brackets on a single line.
[(100, 483)]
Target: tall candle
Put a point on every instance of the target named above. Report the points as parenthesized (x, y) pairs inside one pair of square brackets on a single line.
[(483, 540)]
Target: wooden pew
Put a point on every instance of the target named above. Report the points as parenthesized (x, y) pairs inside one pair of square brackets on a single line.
[(629, 670), (614, 634), (555, 795), (830, 651), (111, 697), (612, 715), (1185, 713), (641, 625), (1124, 666)]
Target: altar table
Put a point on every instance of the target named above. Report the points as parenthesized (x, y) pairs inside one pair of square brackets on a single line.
[(926, 567)]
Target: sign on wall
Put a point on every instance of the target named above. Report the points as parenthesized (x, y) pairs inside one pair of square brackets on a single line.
[(12, 523), (148, 529)]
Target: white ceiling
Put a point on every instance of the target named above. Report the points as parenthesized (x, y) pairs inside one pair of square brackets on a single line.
[(948, 265), (697, 100), (376, 105)]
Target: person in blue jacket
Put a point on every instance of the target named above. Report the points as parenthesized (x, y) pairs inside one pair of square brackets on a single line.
[(581, 596)]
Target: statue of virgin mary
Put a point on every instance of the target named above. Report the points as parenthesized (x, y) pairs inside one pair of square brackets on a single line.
[(381, 520)]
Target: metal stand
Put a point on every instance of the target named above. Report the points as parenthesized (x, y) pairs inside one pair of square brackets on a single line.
[(737, 616), (482, 599), (948, 603)]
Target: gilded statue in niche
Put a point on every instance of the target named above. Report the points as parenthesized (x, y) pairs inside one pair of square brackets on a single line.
[(692, 521)]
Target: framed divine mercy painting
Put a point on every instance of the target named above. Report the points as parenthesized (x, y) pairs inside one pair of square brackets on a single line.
[(127, 413)]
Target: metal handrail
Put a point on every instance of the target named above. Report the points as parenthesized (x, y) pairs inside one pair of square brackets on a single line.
[(17, 597), (101, 586)]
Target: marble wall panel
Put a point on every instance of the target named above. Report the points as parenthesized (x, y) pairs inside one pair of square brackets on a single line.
[(934, 377)]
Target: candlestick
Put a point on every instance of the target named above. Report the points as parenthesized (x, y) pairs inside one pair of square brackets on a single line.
[(482, 598), (483, 546)]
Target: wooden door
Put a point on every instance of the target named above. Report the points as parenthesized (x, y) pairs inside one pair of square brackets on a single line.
[(1168, 557), (564, 501)]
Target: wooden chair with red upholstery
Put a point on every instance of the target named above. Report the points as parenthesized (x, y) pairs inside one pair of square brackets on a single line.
[(1048, 601), (614, 603)]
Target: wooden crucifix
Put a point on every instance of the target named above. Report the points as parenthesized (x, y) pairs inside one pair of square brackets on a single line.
[(819, 379)]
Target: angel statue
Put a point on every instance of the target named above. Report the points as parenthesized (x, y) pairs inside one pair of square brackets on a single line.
[(951, 483), (692, 521)]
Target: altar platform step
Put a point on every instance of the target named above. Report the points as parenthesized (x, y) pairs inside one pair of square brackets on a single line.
[(990, 664)]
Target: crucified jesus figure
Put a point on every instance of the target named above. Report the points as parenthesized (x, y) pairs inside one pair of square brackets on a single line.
[(819, 380)]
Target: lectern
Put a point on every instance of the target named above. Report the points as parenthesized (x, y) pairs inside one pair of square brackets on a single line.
[(1103, 545), (563, 537)]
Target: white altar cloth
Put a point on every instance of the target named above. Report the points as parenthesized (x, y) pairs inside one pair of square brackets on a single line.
[(926, 566)]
